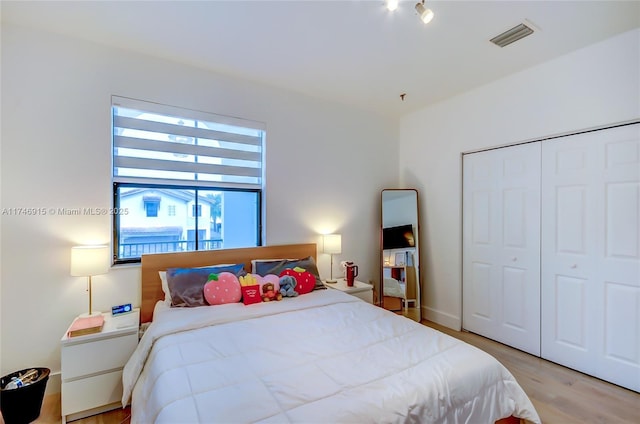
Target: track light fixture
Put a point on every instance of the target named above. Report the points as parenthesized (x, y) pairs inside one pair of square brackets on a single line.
[(392, 5), (425, 14)]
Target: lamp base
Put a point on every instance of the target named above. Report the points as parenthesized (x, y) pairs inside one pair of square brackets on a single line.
[(331, 281)]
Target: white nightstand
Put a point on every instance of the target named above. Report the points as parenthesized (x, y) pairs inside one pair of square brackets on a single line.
[(359, 289), (92, 366)]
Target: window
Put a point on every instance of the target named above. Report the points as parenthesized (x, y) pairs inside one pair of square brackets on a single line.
[(151, 205), (196, 210), (205, 170)]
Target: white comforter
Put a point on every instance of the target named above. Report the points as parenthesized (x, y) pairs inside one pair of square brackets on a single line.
[(322, 357), (393, 288)]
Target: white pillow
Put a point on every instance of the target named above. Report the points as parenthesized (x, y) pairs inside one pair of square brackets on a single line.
[(165, 286)]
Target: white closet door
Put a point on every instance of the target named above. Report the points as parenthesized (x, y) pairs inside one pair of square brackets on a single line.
[(591, 253), (501, 245)]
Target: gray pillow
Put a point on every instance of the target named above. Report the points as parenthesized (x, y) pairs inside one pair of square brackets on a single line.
[(277, 266), (186, 285)]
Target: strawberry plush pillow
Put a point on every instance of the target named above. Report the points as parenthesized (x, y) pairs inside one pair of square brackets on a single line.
[(305, 281), (222, 288)]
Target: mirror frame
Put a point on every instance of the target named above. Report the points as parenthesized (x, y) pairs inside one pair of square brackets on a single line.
[(417, 259)]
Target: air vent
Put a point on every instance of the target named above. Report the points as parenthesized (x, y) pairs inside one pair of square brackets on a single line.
[(512, 35)]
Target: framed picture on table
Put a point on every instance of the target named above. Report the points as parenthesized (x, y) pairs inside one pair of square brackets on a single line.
[(400, 259)]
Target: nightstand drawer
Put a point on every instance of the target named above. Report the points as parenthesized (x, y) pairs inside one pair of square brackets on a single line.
[(359, 289), (98, 356), (367, 296), (87, 393)]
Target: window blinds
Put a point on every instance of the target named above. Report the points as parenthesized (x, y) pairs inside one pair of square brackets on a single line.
[(160, 144)]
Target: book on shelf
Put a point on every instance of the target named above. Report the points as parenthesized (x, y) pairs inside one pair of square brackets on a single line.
[(86, 325)]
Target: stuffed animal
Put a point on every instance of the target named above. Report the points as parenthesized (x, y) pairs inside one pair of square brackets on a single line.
[(269, 293), (287, 286), (305, 281), (273, 279)]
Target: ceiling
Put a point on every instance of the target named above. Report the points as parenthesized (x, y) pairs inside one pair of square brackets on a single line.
[(354, 52)]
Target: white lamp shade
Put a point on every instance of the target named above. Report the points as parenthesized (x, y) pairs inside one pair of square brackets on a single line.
[(332, 243), (89, 260)]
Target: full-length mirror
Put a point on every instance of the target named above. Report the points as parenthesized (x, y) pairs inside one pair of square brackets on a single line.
[(400, 259)]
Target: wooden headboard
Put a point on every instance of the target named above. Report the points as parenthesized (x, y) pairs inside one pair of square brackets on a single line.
[(151, 264)]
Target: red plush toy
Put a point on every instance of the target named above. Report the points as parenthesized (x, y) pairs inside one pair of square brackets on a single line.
[(305, 281)]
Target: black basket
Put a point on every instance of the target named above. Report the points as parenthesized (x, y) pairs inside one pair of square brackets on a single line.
[(22, 405)]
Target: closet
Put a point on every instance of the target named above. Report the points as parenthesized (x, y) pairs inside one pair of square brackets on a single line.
[(551, 250)]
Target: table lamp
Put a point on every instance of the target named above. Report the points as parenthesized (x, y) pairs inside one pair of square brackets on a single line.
[(332, 244), (87, 261)]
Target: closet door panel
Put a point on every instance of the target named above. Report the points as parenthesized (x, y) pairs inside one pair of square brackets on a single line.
[(481, 291), (622, 232), (571, 312), (520, 247), (571, 219), (514, 298), (591, 253), (501, 245), (621, 298), (568, 253), (480, 244), (619, 260)]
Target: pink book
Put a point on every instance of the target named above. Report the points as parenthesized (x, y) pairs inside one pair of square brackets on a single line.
[(86, 325)]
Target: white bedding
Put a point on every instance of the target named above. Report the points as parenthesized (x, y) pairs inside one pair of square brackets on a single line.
[(321, 357), (393, 287)]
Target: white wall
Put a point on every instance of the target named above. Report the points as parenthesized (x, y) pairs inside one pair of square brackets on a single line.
[(591, 87), (325, 166)]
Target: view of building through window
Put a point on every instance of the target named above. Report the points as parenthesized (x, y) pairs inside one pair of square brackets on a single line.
[(175, 228)]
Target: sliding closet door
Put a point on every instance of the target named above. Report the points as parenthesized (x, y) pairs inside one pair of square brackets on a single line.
[(591, 253), (501, 245)]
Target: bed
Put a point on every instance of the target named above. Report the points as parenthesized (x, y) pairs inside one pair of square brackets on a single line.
[(324, 356), (394, 294)]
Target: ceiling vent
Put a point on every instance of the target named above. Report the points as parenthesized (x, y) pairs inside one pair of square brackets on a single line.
[(512, 35)]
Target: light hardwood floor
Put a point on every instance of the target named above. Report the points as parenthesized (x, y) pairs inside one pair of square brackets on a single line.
[(560, 395)]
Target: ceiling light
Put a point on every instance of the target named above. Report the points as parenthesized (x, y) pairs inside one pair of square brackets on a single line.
[(425, 14), (512, 35), (392, 4)]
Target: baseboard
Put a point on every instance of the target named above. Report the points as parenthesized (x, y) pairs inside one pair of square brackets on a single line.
[(54, 384), (450, 321)]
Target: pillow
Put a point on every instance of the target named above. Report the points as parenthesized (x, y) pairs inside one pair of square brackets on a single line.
[(186, 285), (165, 286), (276, 266), (222, 288), (305, 281), (255, 262)]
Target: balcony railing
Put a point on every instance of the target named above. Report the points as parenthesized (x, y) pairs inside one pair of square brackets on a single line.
[(135, 250)]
